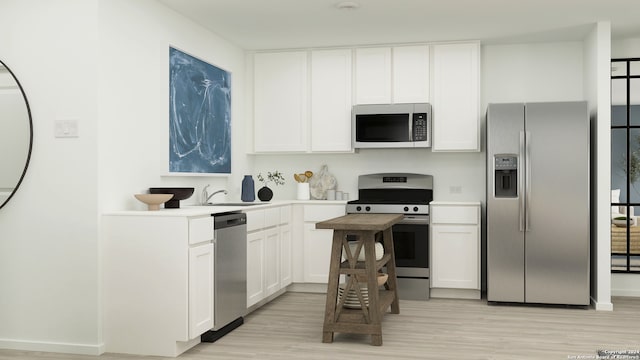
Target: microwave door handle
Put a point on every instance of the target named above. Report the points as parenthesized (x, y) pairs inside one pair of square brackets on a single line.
[(410, 127)]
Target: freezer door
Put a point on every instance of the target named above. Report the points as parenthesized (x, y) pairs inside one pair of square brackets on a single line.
[(557, 236), (505, 240)]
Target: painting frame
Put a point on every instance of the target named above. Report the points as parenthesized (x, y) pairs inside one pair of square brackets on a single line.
[(199, 129)]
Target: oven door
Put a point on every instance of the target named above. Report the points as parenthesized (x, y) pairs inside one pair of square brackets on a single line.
[(411, 246)]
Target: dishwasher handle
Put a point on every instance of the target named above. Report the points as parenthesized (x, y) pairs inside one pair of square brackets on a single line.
[(227, 220)]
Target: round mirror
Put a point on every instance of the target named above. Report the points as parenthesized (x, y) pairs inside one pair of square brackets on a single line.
[(16, 134)]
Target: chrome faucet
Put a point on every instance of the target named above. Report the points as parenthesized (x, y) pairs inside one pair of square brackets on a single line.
[(205, 195)]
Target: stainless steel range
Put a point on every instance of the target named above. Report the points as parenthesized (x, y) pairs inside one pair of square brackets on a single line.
[(408, 194)]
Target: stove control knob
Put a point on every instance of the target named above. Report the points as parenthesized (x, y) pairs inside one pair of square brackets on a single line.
[(368, 208), (358, 208), (415, 208), (406, 209)]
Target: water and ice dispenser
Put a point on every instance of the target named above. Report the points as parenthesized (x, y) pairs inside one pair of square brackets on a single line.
[(506, 176)]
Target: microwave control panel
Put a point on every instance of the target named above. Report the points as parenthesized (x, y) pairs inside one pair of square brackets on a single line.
[(420, 129)]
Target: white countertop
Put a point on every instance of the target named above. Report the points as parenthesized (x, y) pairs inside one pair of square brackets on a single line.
[(200, 210)]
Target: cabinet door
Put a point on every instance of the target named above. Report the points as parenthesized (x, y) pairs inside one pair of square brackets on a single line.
[(286, 262), (455, 256), (411, 74), (373, 76), (255, 267), (272, 260), (331, 100), (456, 113), (200, 289), (280, 101), (317, 253)]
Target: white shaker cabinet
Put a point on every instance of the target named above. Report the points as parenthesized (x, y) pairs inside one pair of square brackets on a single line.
[(456, 96), (201, 289), (280, 101), (317, 242), (455, 249), (411, 74), (286, 260), (373, 75), (255, 267), (331, 94), (158, 282), (268, 252), (392, 75)]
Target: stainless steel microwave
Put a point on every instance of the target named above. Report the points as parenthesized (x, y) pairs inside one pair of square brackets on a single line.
[(391, 126)]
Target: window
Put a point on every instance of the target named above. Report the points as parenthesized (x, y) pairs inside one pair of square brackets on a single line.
[(625, 165)]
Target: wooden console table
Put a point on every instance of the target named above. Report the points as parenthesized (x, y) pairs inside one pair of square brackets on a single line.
[(367, 319)]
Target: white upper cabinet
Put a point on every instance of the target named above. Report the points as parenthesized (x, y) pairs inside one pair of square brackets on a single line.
[(411, 74), (392, 75), (280, 101), (373, 75), (331, 94), (456, 112)]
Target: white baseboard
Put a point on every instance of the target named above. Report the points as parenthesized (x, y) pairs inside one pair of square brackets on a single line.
[(308, 288), (54, 347), (601, 306), (456, 293)]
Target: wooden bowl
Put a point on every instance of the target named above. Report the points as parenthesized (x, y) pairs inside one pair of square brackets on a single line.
[(382, 278), (153, 201)]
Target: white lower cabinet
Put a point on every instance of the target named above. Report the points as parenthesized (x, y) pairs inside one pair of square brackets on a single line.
[(272, 260), (255, 268), (157, 282), (317, 242), (455, 249), (286, 260), (268, 252), (201, 289)]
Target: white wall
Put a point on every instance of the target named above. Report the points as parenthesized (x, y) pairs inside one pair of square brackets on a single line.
[(104, 63), (625, 284), (48, 230), (134, 50), (463, 170)]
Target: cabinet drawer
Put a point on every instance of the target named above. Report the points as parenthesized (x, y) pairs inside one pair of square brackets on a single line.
[(323, 212), (255, 220), (285, 214), (200, 230), (271, 217), (454, 214)]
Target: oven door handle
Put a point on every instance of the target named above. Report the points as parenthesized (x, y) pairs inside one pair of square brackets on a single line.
[(414, 220)]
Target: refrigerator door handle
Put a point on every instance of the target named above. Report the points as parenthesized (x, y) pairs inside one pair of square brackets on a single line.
[(527, 185), (521, 184)]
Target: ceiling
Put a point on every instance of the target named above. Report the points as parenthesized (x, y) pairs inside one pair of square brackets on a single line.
[(285, 24)]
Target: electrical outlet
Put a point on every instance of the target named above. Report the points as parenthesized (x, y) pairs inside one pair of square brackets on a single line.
[(67, 128), (456, 189)]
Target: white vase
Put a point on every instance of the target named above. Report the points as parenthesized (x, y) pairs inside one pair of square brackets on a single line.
[(303, 191)]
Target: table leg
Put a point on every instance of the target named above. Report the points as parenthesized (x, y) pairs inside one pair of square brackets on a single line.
[(387, 238), (332, 286), (372, 285)]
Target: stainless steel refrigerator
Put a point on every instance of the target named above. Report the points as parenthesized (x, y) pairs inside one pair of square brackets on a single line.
[(538, 203)]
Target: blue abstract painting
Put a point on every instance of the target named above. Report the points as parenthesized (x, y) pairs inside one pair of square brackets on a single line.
[(199, 116)]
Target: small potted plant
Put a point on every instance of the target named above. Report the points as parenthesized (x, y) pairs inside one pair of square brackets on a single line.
[(265, 194)]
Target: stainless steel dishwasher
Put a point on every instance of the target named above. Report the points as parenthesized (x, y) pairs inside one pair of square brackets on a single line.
[(230, 274)]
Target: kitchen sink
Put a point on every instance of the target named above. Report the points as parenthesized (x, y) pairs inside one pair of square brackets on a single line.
[(235, 204)]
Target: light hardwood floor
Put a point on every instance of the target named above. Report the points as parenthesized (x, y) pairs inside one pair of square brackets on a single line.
[(290, 327)]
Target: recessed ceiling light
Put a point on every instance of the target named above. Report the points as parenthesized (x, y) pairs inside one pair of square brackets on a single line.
[(347, 5)]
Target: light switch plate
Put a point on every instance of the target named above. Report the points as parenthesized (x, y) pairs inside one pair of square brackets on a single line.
[(67, 128)]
